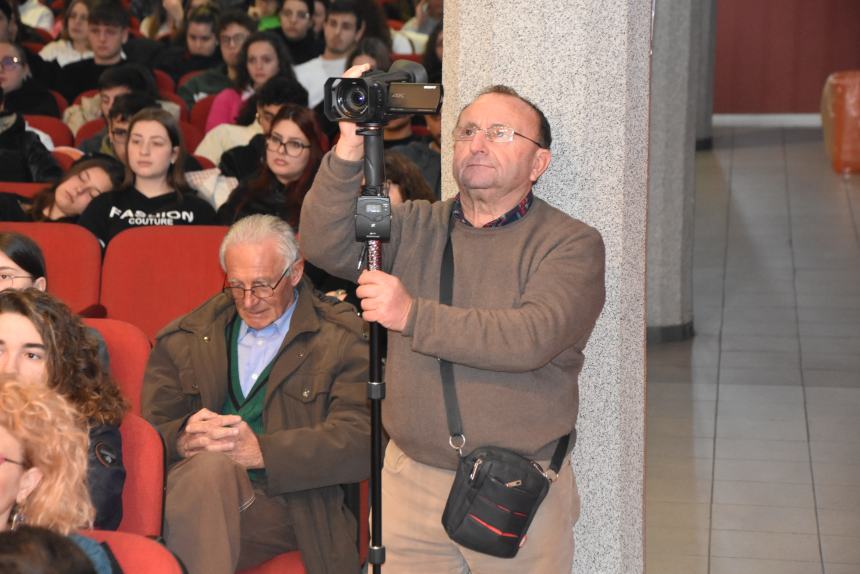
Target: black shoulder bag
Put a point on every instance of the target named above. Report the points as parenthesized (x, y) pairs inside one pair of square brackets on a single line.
[(496, 492)]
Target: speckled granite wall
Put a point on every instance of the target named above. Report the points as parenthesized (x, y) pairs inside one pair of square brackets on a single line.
[(671, 166), (586, 64)]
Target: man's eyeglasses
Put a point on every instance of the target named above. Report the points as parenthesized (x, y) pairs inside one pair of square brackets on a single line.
[(496, 133), (258, 291), (9, 460), (292, 148), (298, 14), (234, 40), (10, 62)]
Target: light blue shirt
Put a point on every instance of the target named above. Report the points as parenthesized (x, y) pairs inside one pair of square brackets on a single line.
[(257, 348)]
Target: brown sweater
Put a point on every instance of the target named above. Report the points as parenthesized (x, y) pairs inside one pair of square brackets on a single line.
[(526, 297)]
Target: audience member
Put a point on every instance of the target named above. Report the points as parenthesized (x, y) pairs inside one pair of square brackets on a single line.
[(36, 550), (404, 180), (427, 154), (44, 448), (112, 139), (264, 56), (166, 19), (44, 488), (260, 397), (23, 156), (51, 346), (199, 45), (296, 29), (292, 157), (73, 45), (22, 94), (155, 191), (66, 199), (36, 15), (107, 31), (343, 30), (243, 159), (376, 26), (234, 27), (22, 263), (12, 30), (428, 13)]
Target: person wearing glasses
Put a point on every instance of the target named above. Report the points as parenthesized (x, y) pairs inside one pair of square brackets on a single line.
[(155, 191), (66, 199), (23, 96), (292, 157), (233, 29), (516, 349), (260, 396), (297, 30)]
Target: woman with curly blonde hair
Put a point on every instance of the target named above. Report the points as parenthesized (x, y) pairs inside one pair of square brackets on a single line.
[(42, 341), (44, 452)]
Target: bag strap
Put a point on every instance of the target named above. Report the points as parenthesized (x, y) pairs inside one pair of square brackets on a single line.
[(457, 439)]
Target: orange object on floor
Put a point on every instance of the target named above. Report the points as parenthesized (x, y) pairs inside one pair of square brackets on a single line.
[(840, 119)]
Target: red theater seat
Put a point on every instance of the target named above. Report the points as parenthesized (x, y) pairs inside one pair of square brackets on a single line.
[(143, 492), (137, 554), (152, 275), (73, 259), (59, 132), (128, 348)]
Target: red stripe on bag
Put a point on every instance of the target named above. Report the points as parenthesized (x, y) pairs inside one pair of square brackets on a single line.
[(492, 528)]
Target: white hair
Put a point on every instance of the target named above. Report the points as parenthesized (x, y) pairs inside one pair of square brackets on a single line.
[(259, 228)]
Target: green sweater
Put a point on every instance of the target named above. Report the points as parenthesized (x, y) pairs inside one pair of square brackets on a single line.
[(526, 298)]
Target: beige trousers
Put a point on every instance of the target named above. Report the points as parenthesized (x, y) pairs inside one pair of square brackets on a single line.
[(413, 498), (217, 521)]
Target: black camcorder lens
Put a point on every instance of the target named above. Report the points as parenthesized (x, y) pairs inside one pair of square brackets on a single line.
[(352, 100)]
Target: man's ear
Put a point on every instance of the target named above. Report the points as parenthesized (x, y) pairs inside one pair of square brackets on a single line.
[(41, 284), (540, 163), (297, 271), (124, 36), (360, 34)]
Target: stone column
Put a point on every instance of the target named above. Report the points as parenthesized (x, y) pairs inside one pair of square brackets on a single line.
[(672, 173), (586, 64), (704, 46)]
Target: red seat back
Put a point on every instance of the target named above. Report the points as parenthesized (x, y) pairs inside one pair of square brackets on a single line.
[(62, 104), (143, 493), (137, 553), (172, 97), (84, 94), (88, 130), (200, 110), (64, 160), (163, 81), (73, 258), (128, 349), (24, 189), (152, 275), (185, 77), (59, 132), (191, 135)]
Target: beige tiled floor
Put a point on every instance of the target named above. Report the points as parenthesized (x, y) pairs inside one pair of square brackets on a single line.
[(753, 446)]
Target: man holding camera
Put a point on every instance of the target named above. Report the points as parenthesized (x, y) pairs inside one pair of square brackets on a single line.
[(527, 289)]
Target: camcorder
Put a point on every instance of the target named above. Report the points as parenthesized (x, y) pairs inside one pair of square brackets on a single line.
[(379, 96), (370, 101)]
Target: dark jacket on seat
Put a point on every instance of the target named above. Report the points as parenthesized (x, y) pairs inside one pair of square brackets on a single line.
[(22, 156)]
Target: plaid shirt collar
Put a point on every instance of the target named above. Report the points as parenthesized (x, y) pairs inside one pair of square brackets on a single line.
[(518, 212)]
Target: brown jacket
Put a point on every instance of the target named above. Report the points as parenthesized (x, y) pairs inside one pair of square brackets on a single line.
[(315, 415)]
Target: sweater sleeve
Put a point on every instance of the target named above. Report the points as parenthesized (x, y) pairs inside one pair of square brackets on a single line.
[(558, 310), (327, 224)]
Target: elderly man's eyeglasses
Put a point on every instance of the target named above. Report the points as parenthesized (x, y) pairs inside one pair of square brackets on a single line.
[(10, 62), (292, 148), (496, 133), (259, 291), (10, 461)]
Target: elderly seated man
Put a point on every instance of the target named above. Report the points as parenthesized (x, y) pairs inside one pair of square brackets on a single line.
[(260, 396)]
